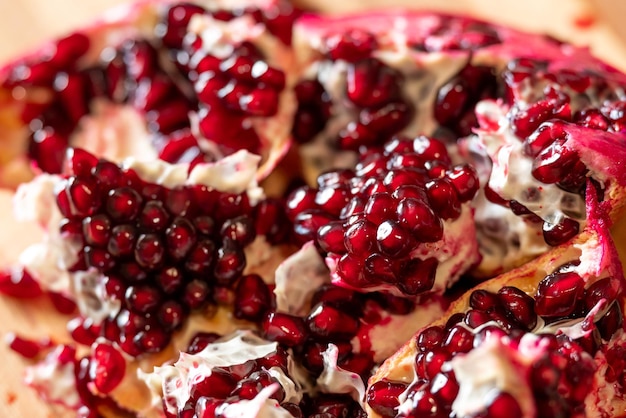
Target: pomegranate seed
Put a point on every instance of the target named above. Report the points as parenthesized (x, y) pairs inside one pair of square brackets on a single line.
[(122, 241), (171, 315), (252, 298), (554, 162), (195, 294), (219, 384), (201, 256), (465, 181), (240, 230), (433, 360), (123, 204), (607, 289), (415, 215), (153, 217), (359, 238), (142, 299), (430, 338), (383, 396), (180, 237), (149, 251), (173, 29), (557, 294), (458, 340), (170, 279), (284, 329), (83, 330), (200, 341), (444, 387), (444, 198), (107, 367), (560, 233), (371, 83), (63, 304), (611, 322), (519, 306), (27, 348), (418, 276), (97, 230), (351, 46), (151, 341), (230, 263), (483, 300), (393, 240), (504, 405), (327, 322), (307, 224), (19, 284)]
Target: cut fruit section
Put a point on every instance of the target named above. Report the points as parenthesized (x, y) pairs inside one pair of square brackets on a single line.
[(142, 80), (140, 245), (371, 76), (536, 341), (400, 222)]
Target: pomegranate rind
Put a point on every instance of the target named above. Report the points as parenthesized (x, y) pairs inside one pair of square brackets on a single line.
[(593, 247), (130, 21)]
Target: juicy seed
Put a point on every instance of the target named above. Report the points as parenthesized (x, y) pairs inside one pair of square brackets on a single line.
[(558, 293)]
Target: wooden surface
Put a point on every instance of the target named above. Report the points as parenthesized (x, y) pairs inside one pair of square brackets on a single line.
[(25, 23)]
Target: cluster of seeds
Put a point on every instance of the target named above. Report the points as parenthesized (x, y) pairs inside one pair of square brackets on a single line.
[(162, 252), (559, 378), (374, 219)]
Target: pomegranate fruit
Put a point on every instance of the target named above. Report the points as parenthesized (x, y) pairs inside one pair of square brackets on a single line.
[(433, 149), (522, 344), (158, 79)]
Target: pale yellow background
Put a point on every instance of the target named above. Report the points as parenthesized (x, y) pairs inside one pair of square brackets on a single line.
[(25, 23)]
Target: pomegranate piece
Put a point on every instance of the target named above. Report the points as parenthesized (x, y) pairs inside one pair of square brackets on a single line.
[(393, 221), (149, 253), (538, 348), (61, 84)]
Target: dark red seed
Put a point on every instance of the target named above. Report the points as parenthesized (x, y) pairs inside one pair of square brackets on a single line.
[(383, 397), (418, 276), (107, 367), (123, 204), (230, 263), (285, 329), (558, 293), (149, 251), (180, 237), (518, 306), (196, 294), (19, 284), (560, 233), (415, 215), (430, 338), (328, 322), (200, 341), (252, 298), (393, 240)]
